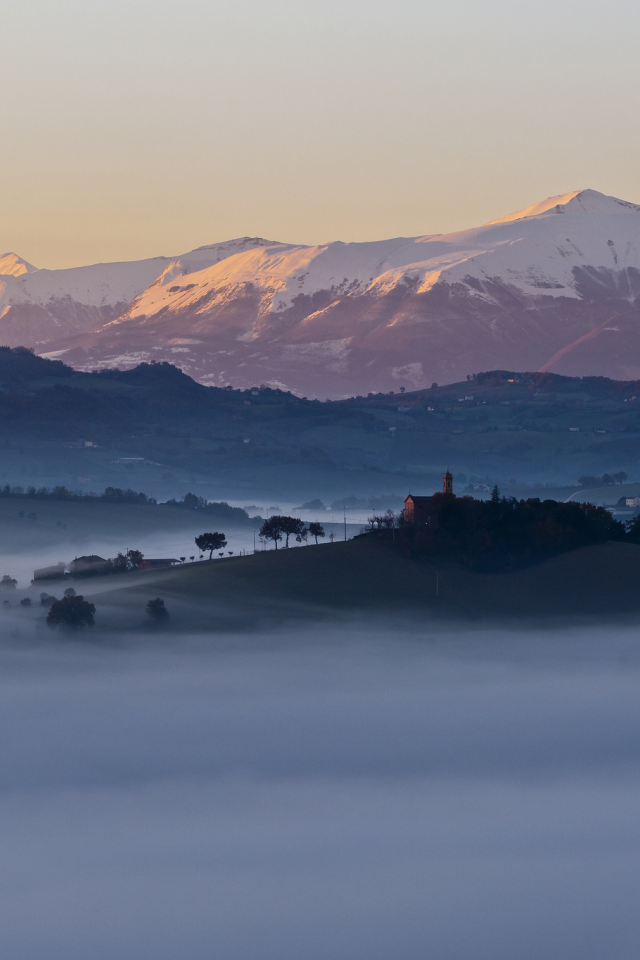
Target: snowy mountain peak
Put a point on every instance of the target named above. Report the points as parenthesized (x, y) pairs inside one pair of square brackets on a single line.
[(239, 243), (578, 201), (11, 265), (553, 286)]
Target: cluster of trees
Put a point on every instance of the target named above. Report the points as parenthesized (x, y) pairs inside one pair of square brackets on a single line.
[(606, 480), (504, 533), (221, 510), (111, 494), (385, 521), (123, 562), (277, 527)]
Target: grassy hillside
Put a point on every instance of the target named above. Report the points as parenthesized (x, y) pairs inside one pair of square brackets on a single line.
[(369, 576)]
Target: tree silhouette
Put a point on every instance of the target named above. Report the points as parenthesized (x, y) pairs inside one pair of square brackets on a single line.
[(71, 613), (210, 542), (8, 582), (130, 560), (291, 526), (389, 520), (276, 526), (316, 530), (271, 529)]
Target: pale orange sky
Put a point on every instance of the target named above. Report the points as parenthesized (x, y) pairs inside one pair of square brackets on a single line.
[(137, 128)]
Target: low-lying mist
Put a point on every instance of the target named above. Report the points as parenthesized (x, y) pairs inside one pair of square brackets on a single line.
[(324, 794)]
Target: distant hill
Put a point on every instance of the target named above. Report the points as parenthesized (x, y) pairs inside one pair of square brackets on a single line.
[(159, 430)]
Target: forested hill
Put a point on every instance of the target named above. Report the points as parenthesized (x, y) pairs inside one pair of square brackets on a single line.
[(153, 390), (499, 424)]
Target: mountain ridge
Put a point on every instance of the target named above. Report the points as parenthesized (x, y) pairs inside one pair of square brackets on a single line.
[(550, 284)]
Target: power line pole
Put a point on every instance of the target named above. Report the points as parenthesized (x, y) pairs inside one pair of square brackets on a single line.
[(345, 523)]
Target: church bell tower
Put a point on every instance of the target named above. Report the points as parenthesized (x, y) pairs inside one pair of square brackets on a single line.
[(447, 483)]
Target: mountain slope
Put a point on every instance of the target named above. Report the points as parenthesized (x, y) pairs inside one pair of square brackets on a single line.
[(555, 286), (38, 306)]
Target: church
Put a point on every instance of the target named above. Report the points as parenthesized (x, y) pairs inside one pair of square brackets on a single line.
[(418, 510)]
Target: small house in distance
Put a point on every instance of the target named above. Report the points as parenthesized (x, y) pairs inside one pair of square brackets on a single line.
[(55, 572), (87, 566), (419, 510)]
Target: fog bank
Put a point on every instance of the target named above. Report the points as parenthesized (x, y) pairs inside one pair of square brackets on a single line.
[(330, 794)]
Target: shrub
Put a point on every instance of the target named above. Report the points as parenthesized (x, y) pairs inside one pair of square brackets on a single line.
[(157, 610)]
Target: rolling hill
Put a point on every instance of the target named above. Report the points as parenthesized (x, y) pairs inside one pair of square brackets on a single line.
[(368, 576)]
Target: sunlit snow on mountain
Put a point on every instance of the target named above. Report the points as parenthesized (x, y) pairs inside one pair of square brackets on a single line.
[(554, 286)]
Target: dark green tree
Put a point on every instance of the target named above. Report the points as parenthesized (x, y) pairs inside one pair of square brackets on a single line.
[(291, 527), (157, 610), (71, 613), (271, 529), (316, 530)]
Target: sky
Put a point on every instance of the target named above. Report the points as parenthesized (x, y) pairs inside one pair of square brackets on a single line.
[(135, 128)]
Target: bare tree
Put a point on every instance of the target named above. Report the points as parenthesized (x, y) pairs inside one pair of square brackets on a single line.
[(389, 520)]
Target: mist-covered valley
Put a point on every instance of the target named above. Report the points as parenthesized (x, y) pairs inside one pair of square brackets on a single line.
[(331, 792), (342, 750)]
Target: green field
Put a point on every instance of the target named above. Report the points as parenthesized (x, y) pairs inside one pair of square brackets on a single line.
[(367, 576)]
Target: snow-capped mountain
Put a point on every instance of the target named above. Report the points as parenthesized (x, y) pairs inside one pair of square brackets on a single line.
[(38, 306), (556, 286)]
